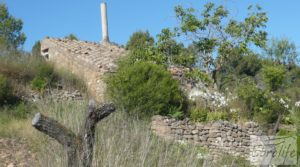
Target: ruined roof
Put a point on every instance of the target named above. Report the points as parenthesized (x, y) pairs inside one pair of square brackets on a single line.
[(101, 56)]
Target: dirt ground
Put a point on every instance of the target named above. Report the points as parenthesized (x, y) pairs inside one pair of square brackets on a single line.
[(15, 153)]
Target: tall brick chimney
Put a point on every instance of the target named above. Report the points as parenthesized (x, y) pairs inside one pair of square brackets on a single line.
[(105, 37)]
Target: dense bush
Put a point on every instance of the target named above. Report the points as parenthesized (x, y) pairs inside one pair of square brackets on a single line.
[(45, 71), (43, 78), (263, 106), (199, 115), (197, 75), (5, 90), (249, 65), (144, 88), (252, 96), (274, 76), (39, 84)]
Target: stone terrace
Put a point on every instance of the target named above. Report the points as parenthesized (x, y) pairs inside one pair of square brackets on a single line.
[(88, 60)]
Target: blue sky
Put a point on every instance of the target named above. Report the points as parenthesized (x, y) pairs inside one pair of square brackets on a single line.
[(58, 18)]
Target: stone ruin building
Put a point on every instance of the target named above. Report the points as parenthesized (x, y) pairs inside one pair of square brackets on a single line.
[(88, 60)]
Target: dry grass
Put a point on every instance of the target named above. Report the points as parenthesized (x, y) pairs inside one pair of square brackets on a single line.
[(121, 141)]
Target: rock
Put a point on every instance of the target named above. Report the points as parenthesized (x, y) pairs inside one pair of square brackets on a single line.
[(179, 131), (203, 138), (214, 134), (10, 165), (195, 131), (187, 132)]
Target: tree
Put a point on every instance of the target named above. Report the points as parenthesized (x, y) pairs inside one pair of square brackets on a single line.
[(283, 51), (218, 38), (174, 52), (140, 40), (10, 29), (141, 47), (166, 50)]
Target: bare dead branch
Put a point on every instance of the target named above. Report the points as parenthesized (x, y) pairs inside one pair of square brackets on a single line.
[(77, 146)]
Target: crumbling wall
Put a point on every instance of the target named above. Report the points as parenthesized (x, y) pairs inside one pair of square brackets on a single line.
[(220, 136), (89, 61)]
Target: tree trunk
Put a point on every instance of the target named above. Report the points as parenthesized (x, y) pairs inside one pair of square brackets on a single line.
[(276, 127), (76, 146)]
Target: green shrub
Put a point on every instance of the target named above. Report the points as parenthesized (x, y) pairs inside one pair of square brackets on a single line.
[(185, 59), (46, 71), (199, 115), (263, 106), (249, 65), (197, 75), (5, 90), (144, 88), (21, 110), (274, 76), (216, 116), (44, 77), (39, 84), (251, 95), (175, 112)]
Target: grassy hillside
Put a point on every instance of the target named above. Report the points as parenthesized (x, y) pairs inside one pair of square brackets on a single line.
[(121, 140)]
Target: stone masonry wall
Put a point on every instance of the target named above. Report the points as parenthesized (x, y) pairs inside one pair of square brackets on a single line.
[(89, 61), (221, 136)]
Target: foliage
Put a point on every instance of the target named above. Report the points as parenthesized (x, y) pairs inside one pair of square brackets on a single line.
[(196, 75), (31, 69), (175, 112), (45, 71), (39, 84), (263, 106), (175, 53), (141, 46), (5, 90), (282, 51), (296, 118), (254, 97), (44, 77), (71, 37), (165, 50), (216, 116), (199, 115), (213, 31), (186, 58), (10, 29), (249, 65), (144, 88), (36, 50), (140, 40), (274, 76), (21, 110)]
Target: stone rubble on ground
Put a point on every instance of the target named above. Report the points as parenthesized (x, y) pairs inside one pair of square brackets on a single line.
[(55, 94)]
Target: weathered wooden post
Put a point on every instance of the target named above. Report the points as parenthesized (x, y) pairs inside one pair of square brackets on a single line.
[(79, 147)]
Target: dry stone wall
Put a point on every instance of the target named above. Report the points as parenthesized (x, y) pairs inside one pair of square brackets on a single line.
[(220, 136), (89, 61)]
